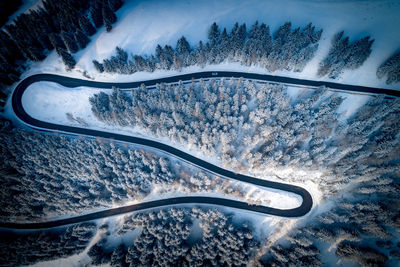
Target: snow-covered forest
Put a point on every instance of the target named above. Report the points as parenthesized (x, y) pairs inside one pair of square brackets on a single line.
[(47, 175), (363, 228), (390, 69), (259, 129), (179, 237), (355, 230), (345, 55), (286, 49), (28, 248), (341, 147)]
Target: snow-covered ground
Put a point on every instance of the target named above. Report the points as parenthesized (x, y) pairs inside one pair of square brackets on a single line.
[(143, 24)]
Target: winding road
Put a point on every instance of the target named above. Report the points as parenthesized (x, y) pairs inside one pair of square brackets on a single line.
[(307, 202)]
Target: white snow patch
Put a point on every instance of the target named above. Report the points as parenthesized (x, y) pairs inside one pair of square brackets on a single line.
[(51, 102), (350, 105)]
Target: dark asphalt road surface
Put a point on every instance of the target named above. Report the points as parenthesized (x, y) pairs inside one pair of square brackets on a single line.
[(73, 82)]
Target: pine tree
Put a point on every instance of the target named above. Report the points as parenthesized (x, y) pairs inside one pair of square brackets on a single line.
[(108, 16), (69, 42), (86, 26), (224, 45), (96, 12), (115, 4), (99, 67), (56, 41), (182, 46), (34, 53), (81, 38), (213, 34), (391, 68), (68, 60)]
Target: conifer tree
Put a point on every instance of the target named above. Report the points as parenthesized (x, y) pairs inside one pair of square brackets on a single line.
[(108, 16), (69, 42), (99, 67), (86, 26), (81, 39), (96, 12), (68, 60), (115, 4), (56, 41)]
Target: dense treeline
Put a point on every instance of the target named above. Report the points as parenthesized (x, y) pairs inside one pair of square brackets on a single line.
[(258, 128), (345, 55), (286, 49), (60, 25), (390, 69), (179, 237), (17, 249)]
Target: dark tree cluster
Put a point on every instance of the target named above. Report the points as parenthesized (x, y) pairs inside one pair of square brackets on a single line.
[(7, 8), (48, 175), (364, 255), (118, 63), (286, 49), (390, 69), (17, 249), (168, 237), (345, 55), (61, 25)]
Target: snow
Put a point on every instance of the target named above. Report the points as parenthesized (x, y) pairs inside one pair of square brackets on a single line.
[(138, 31), (50, 102), (350, 104)]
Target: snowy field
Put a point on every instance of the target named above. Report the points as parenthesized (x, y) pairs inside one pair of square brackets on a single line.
[(142, 25)]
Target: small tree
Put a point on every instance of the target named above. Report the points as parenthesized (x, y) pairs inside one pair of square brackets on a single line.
[(81, 39), (68, 60)]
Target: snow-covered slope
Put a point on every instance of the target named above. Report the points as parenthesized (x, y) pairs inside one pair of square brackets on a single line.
[(142, 25)]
